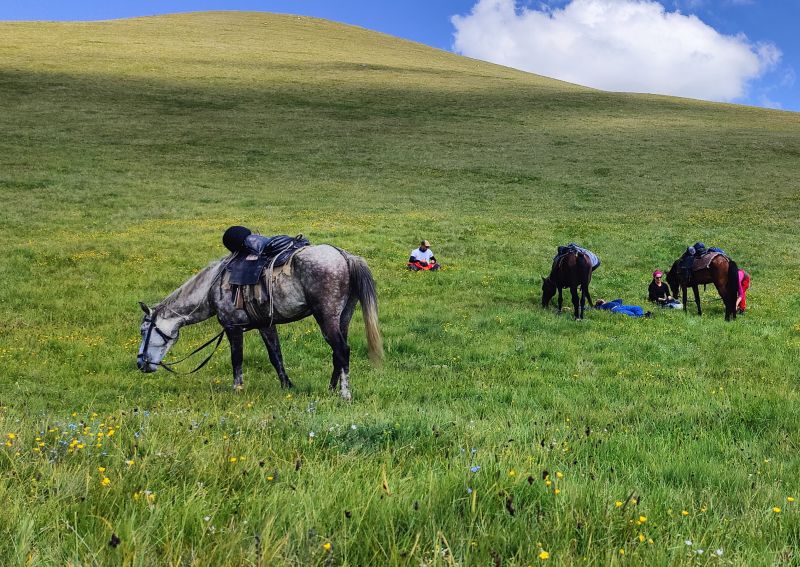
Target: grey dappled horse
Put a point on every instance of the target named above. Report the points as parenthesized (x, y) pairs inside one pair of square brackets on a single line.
[(322, 281)]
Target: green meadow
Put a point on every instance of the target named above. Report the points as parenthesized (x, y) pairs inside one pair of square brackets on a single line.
[(496, 432)]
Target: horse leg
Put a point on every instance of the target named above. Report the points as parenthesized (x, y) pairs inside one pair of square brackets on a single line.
[(236, 339), (697, 299), (584, 293), (346, 316), (683, 294), (573, 289), (723, 295), (270, 337), (560, 299), (331, 330)]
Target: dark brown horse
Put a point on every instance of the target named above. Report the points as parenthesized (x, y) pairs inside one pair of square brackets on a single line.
[(722, 272), (572, 270)]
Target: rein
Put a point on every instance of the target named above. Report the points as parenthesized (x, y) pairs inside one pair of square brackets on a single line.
[(218, 337), (168, 367)]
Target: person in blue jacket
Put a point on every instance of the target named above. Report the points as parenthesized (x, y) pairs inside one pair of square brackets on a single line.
[(617, 306)]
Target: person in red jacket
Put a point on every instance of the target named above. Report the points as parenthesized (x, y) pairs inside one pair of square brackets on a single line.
[(744, 285)]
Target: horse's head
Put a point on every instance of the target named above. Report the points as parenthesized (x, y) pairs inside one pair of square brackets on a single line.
[(156, 341), (674, 280), (548, 290)]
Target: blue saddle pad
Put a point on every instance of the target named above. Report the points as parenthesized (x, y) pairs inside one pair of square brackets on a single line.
[(572, 248)]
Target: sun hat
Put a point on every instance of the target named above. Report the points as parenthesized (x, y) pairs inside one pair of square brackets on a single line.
[(658, 274)]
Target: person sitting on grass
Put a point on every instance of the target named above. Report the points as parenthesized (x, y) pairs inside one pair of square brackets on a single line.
[(422, 258), (617, 306), (658, 292)]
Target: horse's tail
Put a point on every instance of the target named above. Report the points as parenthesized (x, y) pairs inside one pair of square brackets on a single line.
[(584, 270), (733, 288), (364, 286), (584, 277)]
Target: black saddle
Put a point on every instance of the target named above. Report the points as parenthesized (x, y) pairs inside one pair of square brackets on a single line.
[(258, 252)]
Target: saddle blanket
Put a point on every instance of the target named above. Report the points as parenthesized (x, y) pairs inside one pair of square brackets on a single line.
[(572, 248), (704, 261)]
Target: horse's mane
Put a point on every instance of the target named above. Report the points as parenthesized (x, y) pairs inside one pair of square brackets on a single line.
[(187, 287)]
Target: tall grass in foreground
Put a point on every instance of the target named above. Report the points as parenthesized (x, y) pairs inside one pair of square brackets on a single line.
[(496, 431)]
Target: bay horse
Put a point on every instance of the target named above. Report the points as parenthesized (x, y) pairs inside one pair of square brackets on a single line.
[(323, 281), (572, 270), (722, 272)]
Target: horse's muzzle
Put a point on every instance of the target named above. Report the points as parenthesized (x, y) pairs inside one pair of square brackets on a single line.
[(145, 365)]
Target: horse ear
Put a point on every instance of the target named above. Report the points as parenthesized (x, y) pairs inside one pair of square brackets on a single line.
[(145, 308)]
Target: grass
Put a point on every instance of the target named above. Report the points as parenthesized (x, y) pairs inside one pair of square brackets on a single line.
[(128, 147)]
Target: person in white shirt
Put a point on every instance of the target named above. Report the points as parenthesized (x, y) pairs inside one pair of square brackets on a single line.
[(422, 258)]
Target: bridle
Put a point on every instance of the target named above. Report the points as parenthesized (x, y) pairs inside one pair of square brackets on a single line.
[(167, 338)]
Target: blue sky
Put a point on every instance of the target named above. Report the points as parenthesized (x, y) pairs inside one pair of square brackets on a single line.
[(744, 51)]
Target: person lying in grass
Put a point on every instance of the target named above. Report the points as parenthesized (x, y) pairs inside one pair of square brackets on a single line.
[(617, 306)]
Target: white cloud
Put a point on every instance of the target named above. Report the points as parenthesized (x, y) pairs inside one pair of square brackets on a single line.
[(617, 45)]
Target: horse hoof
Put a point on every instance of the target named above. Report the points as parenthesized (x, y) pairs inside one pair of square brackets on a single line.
[(238, 387), (346, 396)]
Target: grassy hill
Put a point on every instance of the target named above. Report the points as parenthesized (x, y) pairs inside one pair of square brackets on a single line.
[(495, 430)]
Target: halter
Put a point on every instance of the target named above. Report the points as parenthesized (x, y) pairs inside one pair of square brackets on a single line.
[(153, 327), (150, 329)]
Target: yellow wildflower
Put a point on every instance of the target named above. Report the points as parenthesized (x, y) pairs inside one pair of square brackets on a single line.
[(101, 469), (543, 555), (560, 475), (684, 513), (642, 519), (777, 510), (512, 472), (618, 503), (233, 459), (326, 546), (105, 481), (790, 498)]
